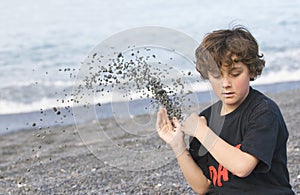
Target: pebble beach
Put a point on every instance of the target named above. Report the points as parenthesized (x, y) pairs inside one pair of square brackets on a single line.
[(58, 161)]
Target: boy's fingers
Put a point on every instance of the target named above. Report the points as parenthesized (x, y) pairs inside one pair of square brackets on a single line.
[(176, 122), (204, 119), (159, 120), (164, 116)]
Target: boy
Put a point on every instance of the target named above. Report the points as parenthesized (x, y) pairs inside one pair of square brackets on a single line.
[(243, 133)]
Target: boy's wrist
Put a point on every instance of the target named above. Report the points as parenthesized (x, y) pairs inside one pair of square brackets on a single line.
[(207, 138), (200, 134), (178, 148)]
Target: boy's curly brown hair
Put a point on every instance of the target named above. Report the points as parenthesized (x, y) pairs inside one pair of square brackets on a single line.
[(225, 47)]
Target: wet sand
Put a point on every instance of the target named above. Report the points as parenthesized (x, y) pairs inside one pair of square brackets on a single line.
[(95, 158)]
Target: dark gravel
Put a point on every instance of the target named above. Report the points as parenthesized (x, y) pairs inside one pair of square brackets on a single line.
[(55, 161)]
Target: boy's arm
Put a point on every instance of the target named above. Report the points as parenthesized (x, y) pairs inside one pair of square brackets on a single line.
[(193, 173), (175, 138), (232, 158)]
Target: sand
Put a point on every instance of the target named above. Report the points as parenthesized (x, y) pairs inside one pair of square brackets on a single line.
[(93, 159)]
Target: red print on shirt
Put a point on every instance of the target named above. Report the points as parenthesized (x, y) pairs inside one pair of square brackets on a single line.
[(220, 175)]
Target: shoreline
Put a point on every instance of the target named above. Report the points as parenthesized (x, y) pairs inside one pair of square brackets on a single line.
[(48, 118), (62, 160)]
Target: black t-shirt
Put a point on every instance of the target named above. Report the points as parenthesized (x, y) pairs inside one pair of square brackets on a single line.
[(258, 128)]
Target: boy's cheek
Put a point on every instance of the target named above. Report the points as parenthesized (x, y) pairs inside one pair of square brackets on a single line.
[(217, 87)]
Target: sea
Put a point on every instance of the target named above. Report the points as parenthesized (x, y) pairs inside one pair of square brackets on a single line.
[(44, 43)]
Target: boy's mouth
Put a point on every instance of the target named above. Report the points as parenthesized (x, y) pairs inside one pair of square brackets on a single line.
[(228, 94)]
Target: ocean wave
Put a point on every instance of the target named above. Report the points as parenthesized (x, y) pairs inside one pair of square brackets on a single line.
[(43, 83), (284, 75), (13, 107)]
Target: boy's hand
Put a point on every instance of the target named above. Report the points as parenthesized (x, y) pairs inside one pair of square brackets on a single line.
[(172, 136), (194, 124)]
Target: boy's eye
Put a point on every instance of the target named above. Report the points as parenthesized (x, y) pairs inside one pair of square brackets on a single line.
[(235, 74), (216, 76)]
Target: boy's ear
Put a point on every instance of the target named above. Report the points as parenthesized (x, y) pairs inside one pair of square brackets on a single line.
[(252, 77)]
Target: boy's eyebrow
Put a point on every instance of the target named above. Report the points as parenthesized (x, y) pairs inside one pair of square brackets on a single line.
[(233, 69)]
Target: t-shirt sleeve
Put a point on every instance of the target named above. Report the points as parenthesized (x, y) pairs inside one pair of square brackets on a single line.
[(260, 138)]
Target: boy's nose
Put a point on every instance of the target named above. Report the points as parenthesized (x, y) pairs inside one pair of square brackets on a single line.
[(226, 82)]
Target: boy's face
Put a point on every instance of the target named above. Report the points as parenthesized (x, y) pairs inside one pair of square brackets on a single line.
[(231, 85)]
